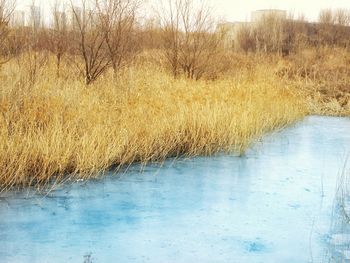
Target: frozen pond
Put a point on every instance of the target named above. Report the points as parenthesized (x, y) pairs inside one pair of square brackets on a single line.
[(275, 204)]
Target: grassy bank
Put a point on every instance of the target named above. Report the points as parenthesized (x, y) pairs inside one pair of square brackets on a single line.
[(323, 74), (53, 127)]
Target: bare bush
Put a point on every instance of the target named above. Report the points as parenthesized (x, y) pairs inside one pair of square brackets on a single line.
[(117, 21), (149, 35), (269, 33), (188, 38), (326, 20), (90, 42), (6, 9), (326, 16), (17, 40), (58, 36), (245, 39), (295, 35), (32, 64), (341, 31), (334, 27)]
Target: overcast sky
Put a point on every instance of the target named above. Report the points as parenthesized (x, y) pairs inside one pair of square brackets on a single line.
[(239, 10)]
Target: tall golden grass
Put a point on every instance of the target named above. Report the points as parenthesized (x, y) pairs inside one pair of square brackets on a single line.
[(323, 75), (58, 127)]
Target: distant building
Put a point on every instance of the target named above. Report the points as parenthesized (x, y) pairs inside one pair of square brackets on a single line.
[(18, 18), (230, 29), (259, 15)]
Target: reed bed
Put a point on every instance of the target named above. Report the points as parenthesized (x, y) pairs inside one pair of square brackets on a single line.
[(58, 128), (323, 75)]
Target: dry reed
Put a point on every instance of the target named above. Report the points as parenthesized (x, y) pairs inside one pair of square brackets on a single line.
[(58, 127)]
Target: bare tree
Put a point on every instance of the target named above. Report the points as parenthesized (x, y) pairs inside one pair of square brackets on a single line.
[(188, 37), (117, 18), (6, 9), (295, 35), (91, 41), (149, 35), (334, 27), (17, 41), (244, 39), (199, 43), (342, 17), (58, 35), (170, 23), (326, 26), (269, 33), (341, 31), (326, 16)]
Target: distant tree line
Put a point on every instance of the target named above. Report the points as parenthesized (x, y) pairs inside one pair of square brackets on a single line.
[(104, 35), (278, 35)]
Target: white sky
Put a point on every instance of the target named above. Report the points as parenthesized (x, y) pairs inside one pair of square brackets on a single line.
[(239, 10)]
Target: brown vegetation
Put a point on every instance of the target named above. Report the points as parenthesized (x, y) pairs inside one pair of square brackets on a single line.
[(59, 127), (105, 89)]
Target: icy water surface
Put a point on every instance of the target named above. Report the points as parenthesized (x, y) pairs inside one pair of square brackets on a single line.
[(275, 204)]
